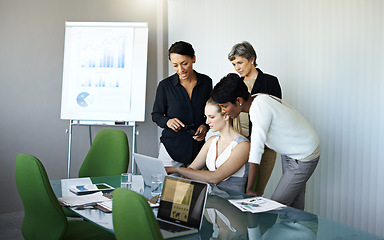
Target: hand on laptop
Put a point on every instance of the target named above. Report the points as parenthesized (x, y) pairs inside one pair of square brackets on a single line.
[(171, 170)]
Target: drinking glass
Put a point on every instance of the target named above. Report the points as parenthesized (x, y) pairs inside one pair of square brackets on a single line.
[(126, 181), (156, 184)]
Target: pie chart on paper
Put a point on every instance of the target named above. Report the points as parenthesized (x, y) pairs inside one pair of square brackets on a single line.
[(82, 99)]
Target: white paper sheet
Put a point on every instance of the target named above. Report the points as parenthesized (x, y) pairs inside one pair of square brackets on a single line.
[(88, 199), (256, 204)]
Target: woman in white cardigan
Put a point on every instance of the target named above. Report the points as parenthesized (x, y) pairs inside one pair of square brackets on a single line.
[(281, 128)]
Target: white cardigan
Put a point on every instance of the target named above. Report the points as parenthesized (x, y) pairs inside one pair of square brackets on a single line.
[(281, 128)]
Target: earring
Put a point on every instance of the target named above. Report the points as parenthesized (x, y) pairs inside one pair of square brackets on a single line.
[(241, 104)]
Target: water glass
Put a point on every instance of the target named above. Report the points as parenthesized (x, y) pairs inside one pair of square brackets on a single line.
[(126, 181), (156, 184)]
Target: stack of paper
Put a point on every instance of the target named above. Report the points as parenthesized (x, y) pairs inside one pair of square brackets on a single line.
[(105, 206), (83, 200), (256, 204)]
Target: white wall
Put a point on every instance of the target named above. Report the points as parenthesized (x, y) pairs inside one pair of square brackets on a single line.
[(328, 56)]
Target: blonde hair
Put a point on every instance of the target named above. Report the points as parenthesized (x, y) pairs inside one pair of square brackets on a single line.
[(237, 126), (235, 123), (213, 103)]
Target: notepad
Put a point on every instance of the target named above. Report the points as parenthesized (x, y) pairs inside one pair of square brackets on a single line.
[(256, 204), (83, 200)]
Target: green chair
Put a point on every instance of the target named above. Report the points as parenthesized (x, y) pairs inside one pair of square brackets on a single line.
[(43, 215), (108, 155), (133, 217)]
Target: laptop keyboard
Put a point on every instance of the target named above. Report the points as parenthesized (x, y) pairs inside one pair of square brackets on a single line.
[(171, 227)]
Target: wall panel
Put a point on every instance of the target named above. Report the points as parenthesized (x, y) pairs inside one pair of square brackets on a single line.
[(328, 56)]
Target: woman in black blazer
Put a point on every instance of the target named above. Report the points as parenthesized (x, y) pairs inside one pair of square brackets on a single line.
[(243, 58)]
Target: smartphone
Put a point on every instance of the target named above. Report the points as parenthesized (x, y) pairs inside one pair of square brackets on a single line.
[(83, 189), (189, 129), (104, 186)]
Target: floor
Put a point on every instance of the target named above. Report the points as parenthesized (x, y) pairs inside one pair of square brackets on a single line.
[(10, 225)]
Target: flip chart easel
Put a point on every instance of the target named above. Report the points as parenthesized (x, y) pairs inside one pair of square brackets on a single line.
[(99, 123), (104, 75)]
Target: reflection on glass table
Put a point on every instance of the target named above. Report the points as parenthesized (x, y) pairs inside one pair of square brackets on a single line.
[(222, 220)]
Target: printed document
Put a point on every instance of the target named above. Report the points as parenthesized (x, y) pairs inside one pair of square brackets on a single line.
[(256, 204), (83, 200)]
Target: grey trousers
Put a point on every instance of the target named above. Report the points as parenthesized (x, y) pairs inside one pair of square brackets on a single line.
[(291, 188)]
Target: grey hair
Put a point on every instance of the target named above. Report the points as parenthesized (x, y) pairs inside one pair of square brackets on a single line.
[(243, 49)]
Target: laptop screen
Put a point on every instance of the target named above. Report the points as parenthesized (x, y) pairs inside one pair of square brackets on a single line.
[(183, 201)]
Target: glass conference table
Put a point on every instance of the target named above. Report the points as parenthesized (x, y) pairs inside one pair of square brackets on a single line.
[(222, 220)]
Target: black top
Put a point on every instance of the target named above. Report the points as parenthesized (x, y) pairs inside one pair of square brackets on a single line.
[(172, 101), (266, 83)]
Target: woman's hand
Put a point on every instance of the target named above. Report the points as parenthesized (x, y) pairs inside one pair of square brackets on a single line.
[(252, 193), (200, 133), (175, 124), (171, 170)]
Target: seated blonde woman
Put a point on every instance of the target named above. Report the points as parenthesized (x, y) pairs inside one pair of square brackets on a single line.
[(224, 155)]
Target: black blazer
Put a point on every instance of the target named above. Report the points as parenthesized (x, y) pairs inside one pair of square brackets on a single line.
[(266, 83)]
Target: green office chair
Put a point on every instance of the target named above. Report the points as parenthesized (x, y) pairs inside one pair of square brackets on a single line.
[(43, 215), (133, 217), (108, 155)]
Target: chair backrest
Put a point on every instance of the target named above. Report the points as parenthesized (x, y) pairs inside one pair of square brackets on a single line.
[(133, 217), (44, 218), (108, 155)]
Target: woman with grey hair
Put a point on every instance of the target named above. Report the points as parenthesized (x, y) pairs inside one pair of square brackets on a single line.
[(243, 58)]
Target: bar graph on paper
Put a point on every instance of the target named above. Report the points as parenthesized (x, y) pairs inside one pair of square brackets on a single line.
[(100, 82), (103, 57), (99, 69), (110, 53)]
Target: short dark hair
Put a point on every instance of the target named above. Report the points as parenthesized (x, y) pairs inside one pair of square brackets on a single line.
[(229, 89), (182, 48)]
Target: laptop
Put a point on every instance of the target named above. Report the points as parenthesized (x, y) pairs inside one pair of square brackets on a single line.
[(181, 207), (149, 166)]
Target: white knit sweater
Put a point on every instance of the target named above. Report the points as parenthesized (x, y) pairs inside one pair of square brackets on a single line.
[(281, 128)]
